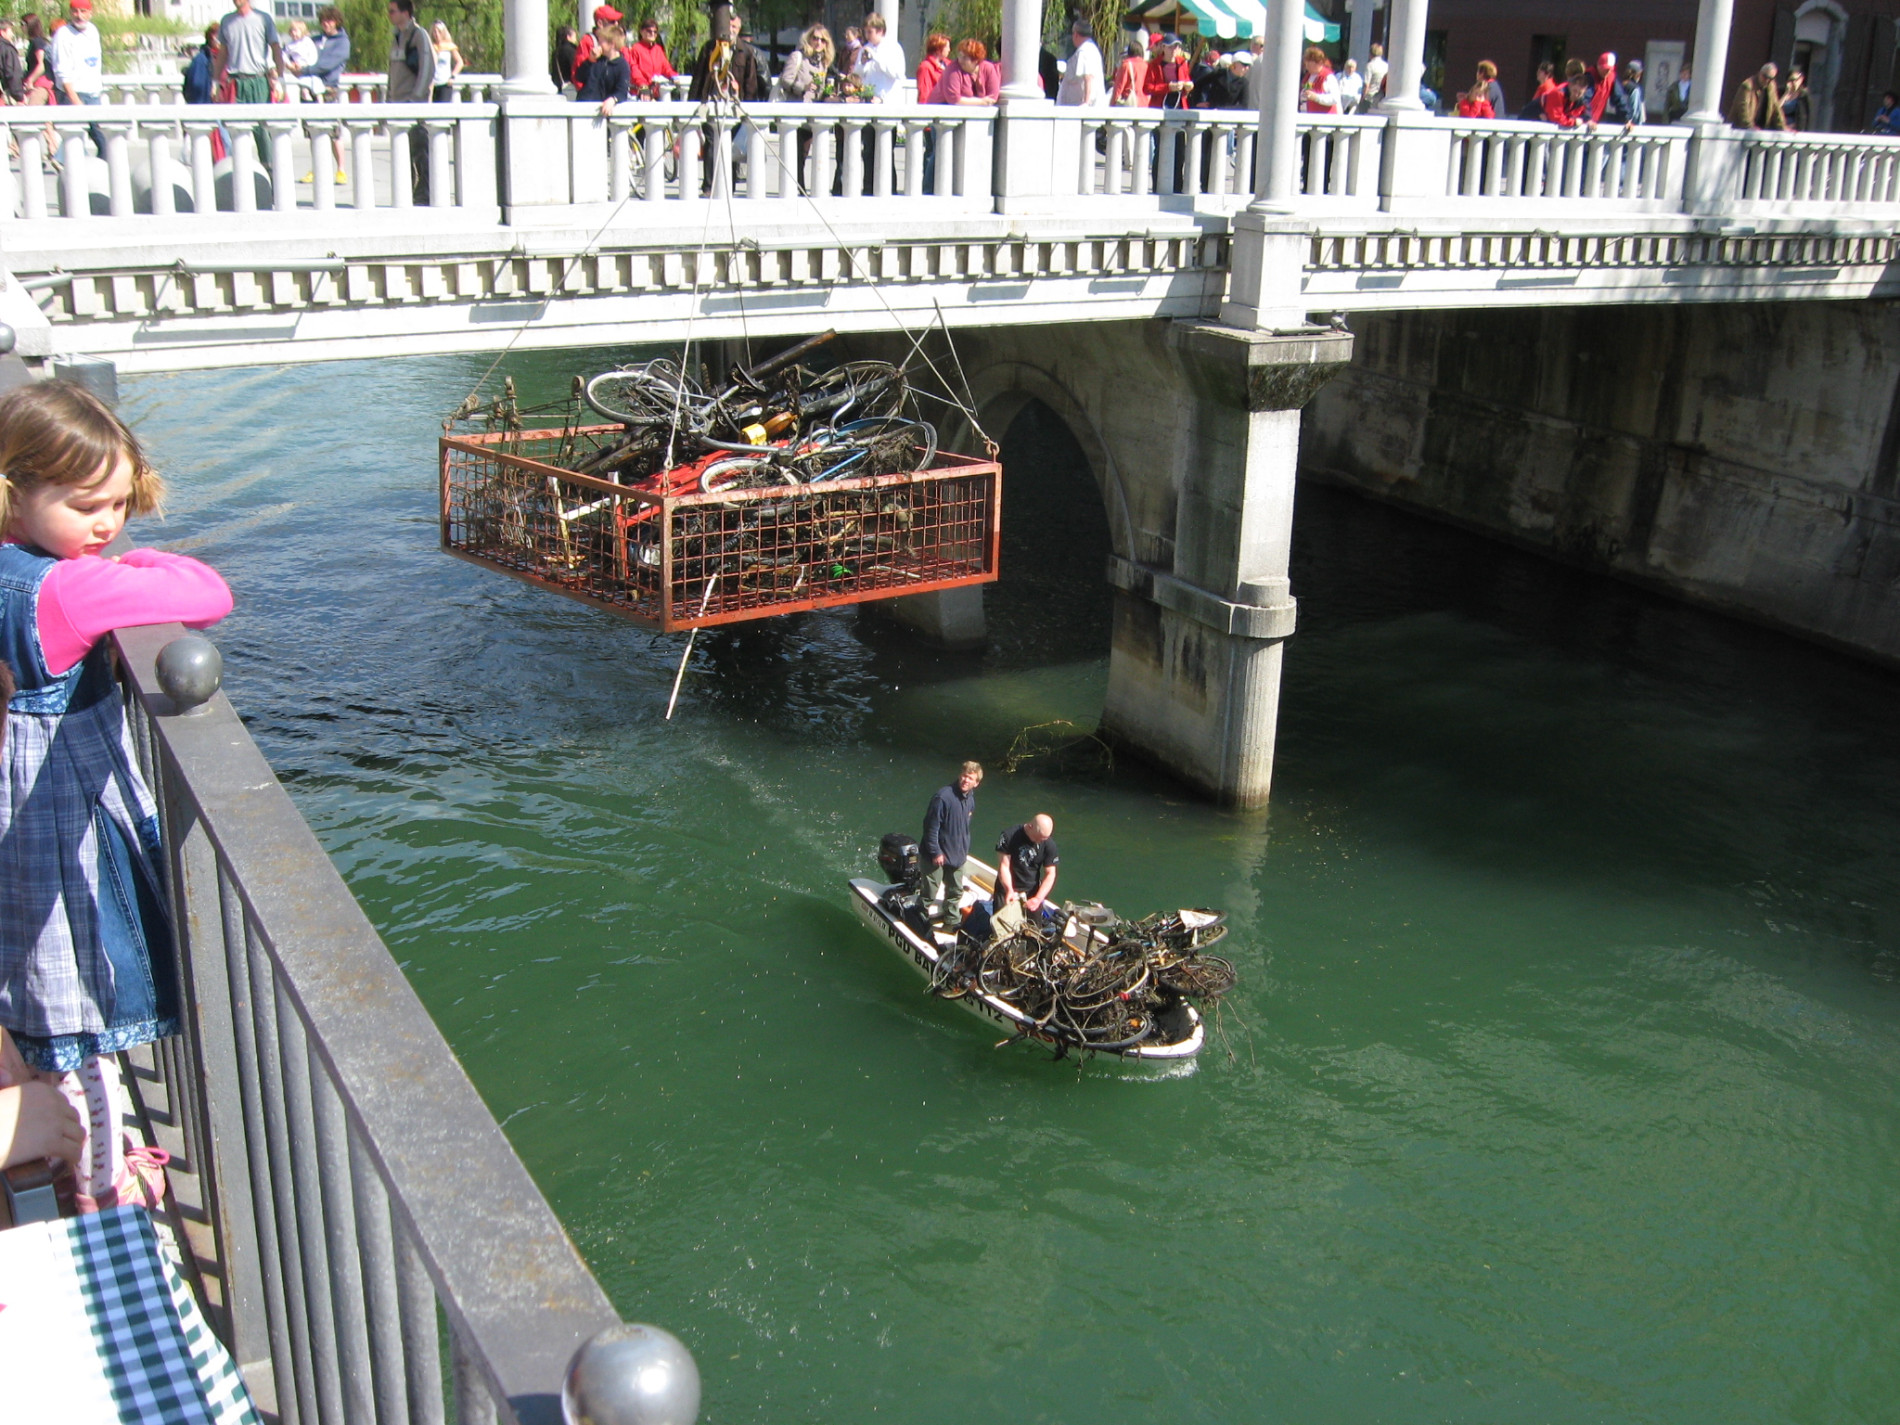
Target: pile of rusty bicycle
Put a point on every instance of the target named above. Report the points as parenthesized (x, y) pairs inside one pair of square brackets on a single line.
[(1091, 982), (695, 501)]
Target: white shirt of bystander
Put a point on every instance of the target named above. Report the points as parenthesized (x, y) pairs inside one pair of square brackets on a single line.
[(881, 67), (1084, 65)]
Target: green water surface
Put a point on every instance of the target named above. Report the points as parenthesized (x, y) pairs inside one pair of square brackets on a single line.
[(1560, 1084)]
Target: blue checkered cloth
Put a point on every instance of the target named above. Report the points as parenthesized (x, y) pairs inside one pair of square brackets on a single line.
[(161, 1360)]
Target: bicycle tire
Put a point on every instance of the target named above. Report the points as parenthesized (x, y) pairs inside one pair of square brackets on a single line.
[(739, 468)]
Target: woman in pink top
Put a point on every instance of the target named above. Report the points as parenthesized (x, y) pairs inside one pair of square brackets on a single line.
[(971, 80)]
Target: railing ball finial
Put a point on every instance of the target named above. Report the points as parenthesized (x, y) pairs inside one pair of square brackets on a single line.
[(631, 1375), (189, 670), (8, 339)]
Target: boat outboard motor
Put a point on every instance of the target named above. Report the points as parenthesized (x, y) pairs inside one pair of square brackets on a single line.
[(899, 859)]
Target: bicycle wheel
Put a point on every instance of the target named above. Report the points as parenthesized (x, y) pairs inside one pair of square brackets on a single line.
[(643, 395), (743, 472), (891, 444)]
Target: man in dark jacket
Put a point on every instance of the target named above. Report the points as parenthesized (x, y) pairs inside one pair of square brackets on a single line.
[(725, 66), (946, 843)]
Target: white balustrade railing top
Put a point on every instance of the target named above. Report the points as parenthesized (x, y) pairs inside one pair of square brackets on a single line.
[(140, 157)]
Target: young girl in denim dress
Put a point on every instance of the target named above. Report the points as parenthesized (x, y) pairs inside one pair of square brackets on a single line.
[(86, 958)]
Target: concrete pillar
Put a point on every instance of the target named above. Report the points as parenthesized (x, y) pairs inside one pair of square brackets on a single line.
[(1365, 14), (952, 618), (1405, 53), (888, 9), (1712, 22), (1194, 670), (584, 15), (1277, 154), (1022, 43), (525, 47)]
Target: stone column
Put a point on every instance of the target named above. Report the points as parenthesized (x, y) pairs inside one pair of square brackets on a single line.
[(1194, 670), (1022, 43), (525, 47), (1712, 23), (1364, 14), (1277, 154), (1405, 53)]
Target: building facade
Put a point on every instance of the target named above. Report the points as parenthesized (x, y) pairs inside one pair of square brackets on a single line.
[(1847, 47)]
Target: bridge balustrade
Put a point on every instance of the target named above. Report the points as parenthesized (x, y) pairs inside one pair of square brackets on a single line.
[(465, 88), (659, 153), (1208, 154), (1638, 169), (159, 162), (1803, 171)]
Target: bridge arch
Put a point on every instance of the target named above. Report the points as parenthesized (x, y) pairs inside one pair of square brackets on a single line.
[(1000, 389)]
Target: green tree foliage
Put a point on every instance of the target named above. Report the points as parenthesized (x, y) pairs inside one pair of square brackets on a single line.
[(983, 20), (476, 25)]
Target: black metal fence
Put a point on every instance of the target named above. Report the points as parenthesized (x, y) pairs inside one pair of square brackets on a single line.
[(361, 1206)]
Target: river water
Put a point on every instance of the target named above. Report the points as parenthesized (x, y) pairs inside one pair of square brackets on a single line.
[(1560, 1085)]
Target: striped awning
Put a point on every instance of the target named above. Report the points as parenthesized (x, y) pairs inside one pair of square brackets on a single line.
[(1239, 19)]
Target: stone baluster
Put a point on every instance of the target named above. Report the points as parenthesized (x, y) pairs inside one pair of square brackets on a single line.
[(118, 157), (158, 148), (360, 135), (658, 138), (243, 169), (916, 136), (619, 158), (441, 141), (322, 133), (722, 158), (74, 192), (204, 185), (853, 157), (754, 159), (692, 136), (32, 173), (949, 142), (883, 155), (788, 174), (400, 193), (283, 163)]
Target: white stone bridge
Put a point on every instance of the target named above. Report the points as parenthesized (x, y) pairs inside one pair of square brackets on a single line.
[(544, 225)]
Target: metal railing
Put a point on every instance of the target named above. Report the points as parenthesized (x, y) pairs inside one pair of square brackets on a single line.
[(364, 1203)]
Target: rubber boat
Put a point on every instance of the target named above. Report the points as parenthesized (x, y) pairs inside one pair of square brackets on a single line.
[(1179, 1029)]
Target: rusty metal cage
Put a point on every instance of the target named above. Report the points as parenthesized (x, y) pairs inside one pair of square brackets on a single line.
[(673, 557)]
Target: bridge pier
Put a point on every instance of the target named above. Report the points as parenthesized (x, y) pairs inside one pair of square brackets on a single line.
[(1201, 617)]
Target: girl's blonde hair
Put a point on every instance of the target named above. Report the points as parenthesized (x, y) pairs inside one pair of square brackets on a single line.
[(59, 433)]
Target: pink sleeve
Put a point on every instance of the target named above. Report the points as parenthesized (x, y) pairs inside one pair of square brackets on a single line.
[(82, 600)]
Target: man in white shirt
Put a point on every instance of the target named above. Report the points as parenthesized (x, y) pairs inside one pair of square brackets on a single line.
[(1376, 72), (1084, 84), (78, 74), (1352, 87), (880, 62)]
